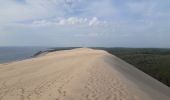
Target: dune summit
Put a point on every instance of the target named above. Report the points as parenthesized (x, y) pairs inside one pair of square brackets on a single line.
[(78, 74)]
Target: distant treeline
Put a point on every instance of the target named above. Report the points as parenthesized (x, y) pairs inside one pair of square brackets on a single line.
[(153, 61)]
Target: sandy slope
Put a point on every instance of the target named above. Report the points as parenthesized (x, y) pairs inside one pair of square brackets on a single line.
[(79, 74)]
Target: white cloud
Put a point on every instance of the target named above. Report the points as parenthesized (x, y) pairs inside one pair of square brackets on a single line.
[(41, 22), (94, 21), (75, 20)]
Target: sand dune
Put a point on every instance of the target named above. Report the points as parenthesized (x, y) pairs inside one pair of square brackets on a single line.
[(78, 74)]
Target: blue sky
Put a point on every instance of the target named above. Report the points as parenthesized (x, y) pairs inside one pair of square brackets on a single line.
[(109, 23)]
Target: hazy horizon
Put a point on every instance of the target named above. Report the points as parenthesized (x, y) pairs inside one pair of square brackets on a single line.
[(83, 47), (85, 23)]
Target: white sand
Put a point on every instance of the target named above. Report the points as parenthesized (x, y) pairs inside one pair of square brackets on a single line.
[(79, 74)]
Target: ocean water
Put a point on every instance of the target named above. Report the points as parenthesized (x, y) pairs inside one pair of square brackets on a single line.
[(8, 54)]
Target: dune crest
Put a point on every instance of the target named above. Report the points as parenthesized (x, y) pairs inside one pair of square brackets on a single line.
[(78, 74)]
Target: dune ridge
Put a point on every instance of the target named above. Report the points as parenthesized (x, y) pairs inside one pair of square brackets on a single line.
[(78, 74)]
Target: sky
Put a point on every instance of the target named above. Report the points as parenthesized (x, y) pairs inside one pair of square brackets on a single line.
[(85, 23)]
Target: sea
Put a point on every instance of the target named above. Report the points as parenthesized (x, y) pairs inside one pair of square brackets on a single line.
[(10, 54)]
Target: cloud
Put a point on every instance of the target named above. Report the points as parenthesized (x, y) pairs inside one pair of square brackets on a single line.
[(13, 11), (21, 10), (60, 21), (75, 20), (94, 21)]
